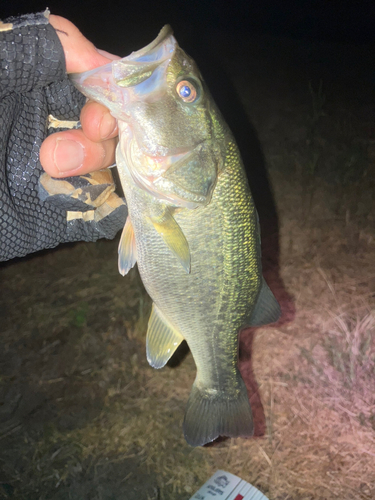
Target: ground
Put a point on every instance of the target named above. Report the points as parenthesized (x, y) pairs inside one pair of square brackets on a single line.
[(83, 416)]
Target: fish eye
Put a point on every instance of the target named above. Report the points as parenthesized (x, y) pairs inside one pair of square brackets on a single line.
[(187, 91)]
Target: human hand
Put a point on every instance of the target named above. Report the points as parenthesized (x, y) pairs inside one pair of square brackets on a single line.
[(37, 210), (76, 152)]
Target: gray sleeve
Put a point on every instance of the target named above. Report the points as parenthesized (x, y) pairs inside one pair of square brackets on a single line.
[(34, 85)]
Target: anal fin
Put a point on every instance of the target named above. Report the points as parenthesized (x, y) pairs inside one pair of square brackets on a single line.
[(127, 251), (162, 339)]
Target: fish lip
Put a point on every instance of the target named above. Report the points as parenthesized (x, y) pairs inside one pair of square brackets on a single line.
[(139, 66), (164, 33)]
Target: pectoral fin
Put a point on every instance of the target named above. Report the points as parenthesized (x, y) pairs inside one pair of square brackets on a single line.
[(162, 339), (127, 251), (266, 309), (174, 238)]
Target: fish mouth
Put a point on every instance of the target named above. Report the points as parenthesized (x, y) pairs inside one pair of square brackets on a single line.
[(164, 33), (182, 177), (139, 74), (139, 66)]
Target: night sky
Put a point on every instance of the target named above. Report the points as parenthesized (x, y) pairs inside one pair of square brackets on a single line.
[(330, 20)]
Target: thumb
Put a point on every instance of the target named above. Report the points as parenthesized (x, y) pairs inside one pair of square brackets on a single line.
[(80, 53)]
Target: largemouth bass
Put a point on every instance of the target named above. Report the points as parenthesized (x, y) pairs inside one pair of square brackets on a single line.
[(192, 226)]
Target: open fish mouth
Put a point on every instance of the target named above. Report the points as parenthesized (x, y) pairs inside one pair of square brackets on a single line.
[(140, 65), (150, 50), (174, 162), (137, 75)]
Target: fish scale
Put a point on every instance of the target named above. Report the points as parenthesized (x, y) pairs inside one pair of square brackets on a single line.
[(192, 227)]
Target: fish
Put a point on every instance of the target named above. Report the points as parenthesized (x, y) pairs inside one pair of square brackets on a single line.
[(192, 227)]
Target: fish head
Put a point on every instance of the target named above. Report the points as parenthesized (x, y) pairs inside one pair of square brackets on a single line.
[(172, 136)]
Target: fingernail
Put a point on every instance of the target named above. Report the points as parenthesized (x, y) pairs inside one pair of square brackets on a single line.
[(68, 155), (107, 126)]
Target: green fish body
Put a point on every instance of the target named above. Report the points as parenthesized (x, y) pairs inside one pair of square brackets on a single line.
[(192, 226)]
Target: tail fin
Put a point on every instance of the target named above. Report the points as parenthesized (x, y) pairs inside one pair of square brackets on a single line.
[(210, 415)]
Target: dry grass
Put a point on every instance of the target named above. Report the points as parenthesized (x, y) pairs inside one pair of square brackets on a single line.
[(111, 410)]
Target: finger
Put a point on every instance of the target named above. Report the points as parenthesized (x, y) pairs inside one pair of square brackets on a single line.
[(71, 153), (97, 122), (80, 53)]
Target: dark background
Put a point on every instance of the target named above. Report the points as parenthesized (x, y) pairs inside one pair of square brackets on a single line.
[(330, 20)]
